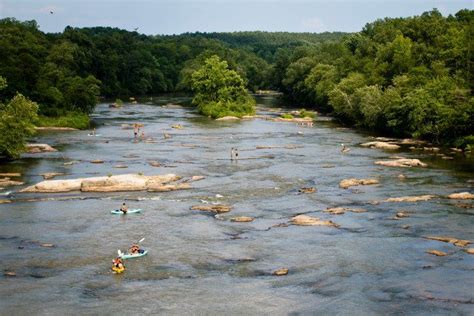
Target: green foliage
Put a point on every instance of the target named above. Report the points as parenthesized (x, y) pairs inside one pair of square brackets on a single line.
[(310, 114), (287, 116), (16, 123), (404, 76), (220, 91), (119, 102), (77, 120)]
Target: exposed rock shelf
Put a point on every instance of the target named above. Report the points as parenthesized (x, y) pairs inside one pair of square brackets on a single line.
[(125, 182)]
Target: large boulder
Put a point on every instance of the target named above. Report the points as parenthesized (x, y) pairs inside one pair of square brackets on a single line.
[(380, 145), (346, 183), (401, 162), (39, 148), (55, 186), (125, 182), (461, 196), (305, 220), (218, 209)]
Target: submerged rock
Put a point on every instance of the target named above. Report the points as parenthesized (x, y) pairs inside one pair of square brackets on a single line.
[(343, 210), (39, 148), (437, 253), (346, 183), (305, 220), (307, 190), (410, 198), (401, 162), (280, 272), (218, 209), (9, 273), (461, 196), (381, 145), (124, 182), (242, 219), (50, 175), (119, 166)]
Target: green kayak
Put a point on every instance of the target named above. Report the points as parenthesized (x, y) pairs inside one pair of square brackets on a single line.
[(137, 255), (119, 212)]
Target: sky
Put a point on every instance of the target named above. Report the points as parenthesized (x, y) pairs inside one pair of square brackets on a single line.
[(179, 16)]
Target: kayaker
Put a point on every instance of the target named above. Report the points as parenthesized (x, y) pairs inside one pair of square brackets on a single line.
[(124, 208), (135, 249), (117, 265)]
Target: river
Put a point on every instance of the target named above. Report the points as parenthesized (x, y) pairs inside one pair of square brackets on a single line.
[(198, 264)]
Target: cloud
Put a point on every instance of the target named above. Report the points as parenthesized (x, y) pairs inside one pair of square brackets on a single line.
[(313, 25)]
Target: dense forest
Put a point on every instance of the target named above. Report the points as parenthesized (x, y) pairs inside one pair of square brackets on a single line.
[(399, 76)]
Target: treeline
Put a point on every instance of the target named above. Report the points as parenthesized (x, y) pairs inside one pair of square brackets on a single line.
[(403, 76), (66, 71)]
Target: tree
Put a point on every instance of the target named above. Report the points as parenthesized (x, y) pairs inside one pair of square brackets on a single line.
[(16, 123), (220, 91)]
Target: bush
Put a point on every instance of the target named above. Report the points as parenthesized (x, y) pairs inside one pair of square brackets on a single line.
[(287, 116), (310, 114), (70, 119)]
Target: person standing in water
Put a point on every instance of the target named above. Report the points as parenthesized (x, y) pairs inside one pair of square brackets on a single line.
[(135, 130), (236, 154), (124, 208), (232, 153)]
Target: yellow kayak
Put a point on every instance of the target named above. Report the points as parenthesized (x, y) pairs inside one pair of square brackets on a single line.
[(118, 270)]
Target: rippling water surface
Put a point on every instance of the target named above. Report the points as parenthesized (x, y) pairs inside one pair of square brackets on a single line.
[(199, 264)]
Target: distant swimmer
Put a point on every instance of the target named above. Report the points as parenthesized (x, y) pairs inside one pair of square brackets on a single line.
[(344, 149)]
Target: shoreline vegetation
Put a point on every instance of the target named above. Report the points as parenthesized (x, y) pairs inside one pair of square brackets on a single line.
[(400, 77)]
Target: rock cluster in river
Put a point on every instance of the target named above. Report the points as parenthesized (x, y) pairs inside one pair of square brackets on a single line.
[(305, 220), (461, 196), (401, 162), (39, 148), (346, 183), (125, 182), (380, 145)]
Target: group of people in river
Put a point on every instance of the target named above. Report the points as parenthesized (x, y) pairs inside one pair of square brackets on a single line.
[(117, 263)]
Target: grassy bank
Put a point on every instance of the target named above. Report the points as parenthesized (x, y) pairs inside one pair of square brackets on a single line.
[(72, 119)]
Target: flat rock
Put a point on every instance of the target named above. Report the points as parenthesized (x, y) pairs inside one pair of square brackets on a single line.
[(39, 148), (437, 253), (469, 251), (336, 210), (218, 209), (242, 219), (155, 164), (461, 196), (10, 174), (402, 215), (118, 183), (97, 161), (346, 183), (120, 166), (50, 175), (380, 145), (402, 162), (410, 198), (9, 273), (296, 119), (452, 240), (305, 220), (228, 118), (54, 128), (6, 182), (280, 272), (3, 201)]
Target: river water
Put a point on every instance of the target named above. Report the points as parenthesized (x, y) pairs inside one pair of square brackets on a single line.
[(199, 264)]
